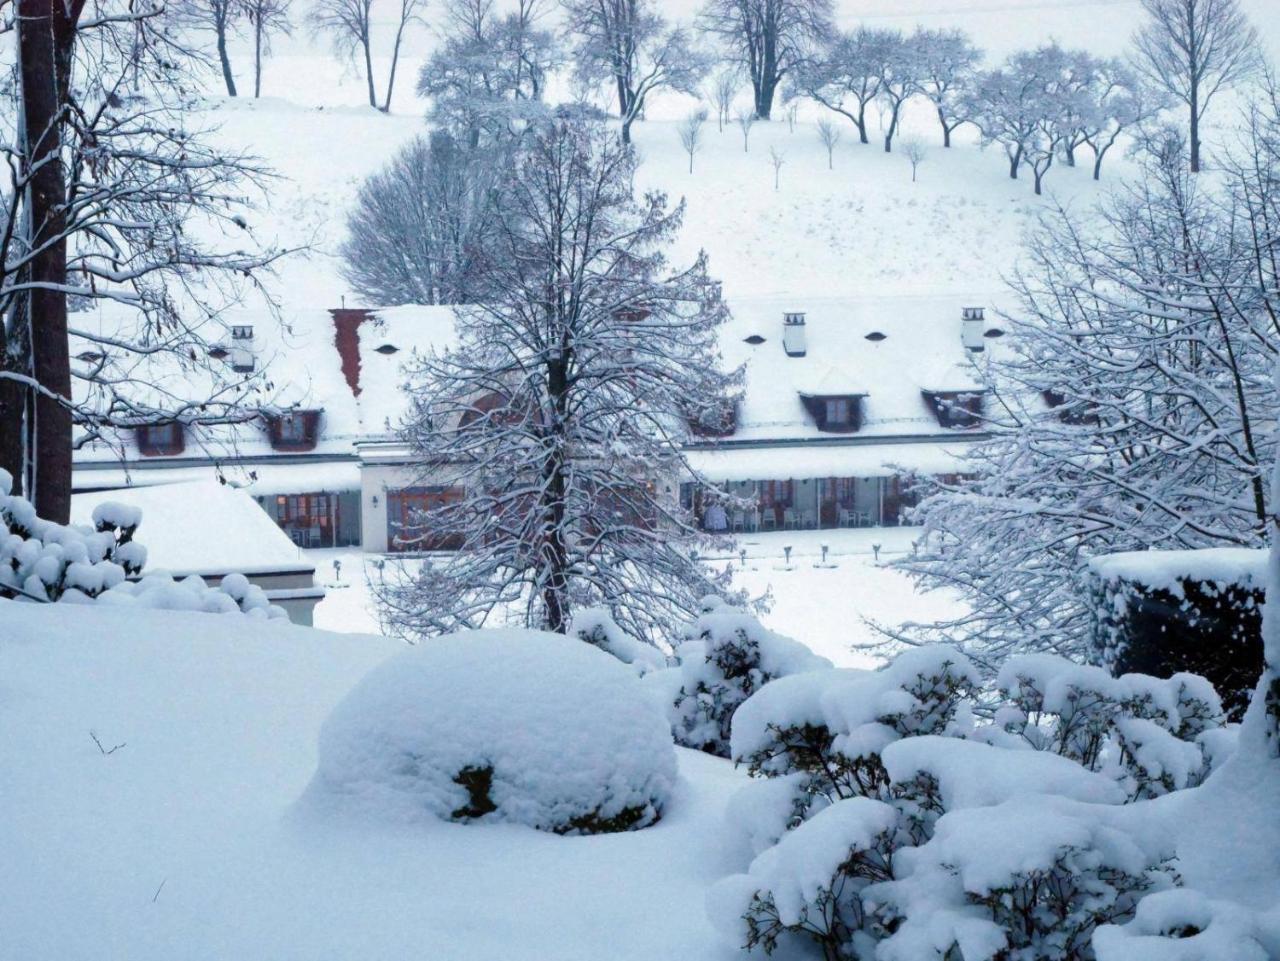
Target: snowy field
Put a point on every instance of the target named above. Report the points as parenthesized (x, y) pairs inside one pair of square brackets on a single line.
[(825, 607)]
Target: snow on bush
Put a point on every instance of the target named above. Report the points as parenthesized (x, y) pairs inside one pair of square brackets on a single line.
[(1010, 836), (500, 725), (597, 627), (728, 656), (75, 564), (1184, 925)]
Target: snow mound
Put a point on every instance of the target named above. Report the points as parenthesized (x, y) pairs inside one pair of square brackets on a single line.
[(500, 725), (596, 626)]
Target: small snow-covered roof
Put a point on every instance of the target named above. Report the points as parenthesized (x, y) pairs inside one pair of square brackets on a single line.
[(201, 527)]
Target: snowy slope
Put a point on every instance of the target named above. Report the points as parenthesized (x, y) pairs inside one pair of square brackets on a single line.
[(184, 842)]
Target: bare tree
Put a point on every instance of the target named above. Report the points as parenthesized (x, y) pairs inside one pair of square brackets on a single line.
[(266, 17), (421, 227), (745, 120), (900, 64), (948, 68), (690, 131), (777, 158), (487, 79), (769, 37), (348, 25), (723, 89), (633, 47), (100, 211), (793, 111), (845, 75), (829, 134), (1192, 49), (218, 17), (1118, 101), (559, 416), (410, 12), (914, 150)]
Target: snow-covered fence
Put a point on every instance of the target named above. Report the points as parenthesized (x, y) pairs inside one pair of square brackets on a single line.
[(46, 562), (1161, 612)]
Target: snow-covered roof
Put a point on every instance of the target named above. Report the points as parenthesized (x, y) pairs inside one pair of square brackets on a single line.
[(920, 350), (201, 527), (408, 329), (1166, 570)]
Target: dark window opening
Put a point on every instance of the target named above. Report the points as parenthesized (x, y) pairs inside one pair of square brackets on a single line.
[(160, 439)]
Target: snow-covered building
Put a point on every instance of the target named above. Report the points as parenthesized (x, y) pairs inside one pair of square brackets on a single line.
[(210, 530), (843, 400)]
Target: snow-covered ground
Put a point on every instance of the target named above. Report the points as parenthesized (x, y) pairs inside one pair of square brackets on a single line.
[(184, 842), (827, 607)]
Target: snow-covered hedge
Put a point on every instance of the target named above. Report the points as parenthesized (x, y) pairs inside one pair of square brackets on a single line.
[(500, 725), (892, 816), (44, 561), (726, 656), (1159, 612)]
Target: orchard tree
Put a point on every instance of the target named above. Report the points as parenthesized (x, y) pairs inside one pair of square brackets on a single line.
[(770, 38), (266, 18), (349, 26), (628, 44), (1135, 410), (422, 226), (900, 66), (100, 210), (724, 88), (846, 74), (487, 79), (690, 131), (219, 18), (948, 68), (558, 416), (1192, 49), (1120, 102), (829, 134)]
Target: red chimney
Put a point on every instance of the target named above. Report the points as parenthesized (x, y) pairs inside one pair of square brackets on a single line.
[(346, 337)]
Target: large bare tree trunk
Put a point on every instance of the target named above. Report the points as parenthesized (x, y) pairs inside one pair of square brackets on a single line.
[(368, 73), (224, 59), (46, 41)]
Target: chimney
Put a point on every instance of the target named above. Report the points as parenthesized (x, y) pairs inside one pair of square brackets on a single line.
[(346, 338), (971, 320), (243, 349), (793, 337)]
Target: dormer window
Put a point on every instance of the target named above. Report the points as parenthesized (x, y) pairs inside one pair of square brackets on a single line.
[(835, 413), (876, 336), (387, 349), (159, 440), (296, 430), (242, 332), (956, 408)]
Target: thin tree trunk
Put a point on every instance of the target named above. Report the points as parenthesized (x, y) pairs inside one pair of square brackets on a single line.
[(1195, 132), (395, 59), (257, 60), (46, 41), (228, 79), (1015, 159), (368, 72), (1097, 163), (15, 358), (861, 123)]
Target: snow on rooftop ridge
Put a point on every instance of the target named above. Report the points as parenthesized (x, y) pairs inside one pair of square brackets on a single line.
[(1243, 566)]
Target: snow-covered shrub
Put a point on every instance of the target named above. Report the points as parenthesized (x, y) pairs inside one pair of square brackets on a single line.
[(1028, 879), (1153, 735), (46, 561), (1184, 925), (598, 628), (500, 725), (727, 657), (950, 871), (75, 564)]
